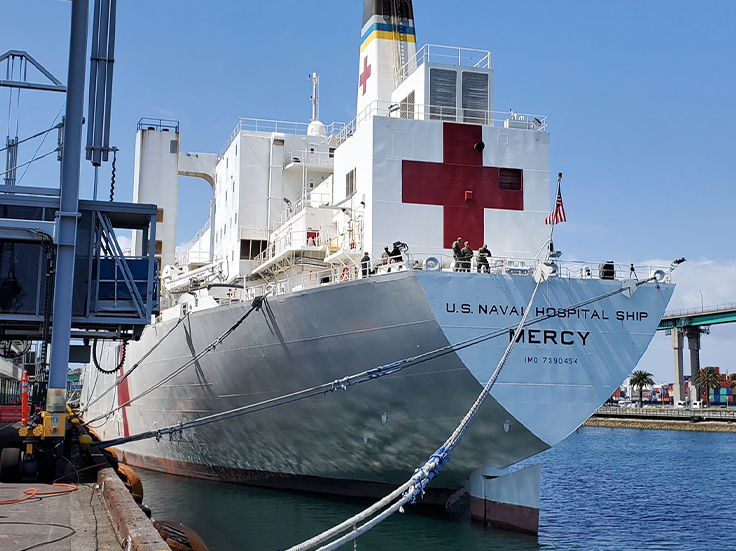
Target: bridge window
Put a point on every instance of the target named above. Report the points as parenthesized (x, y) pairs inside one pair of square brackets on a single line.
[(350, 183), (251, 248), (510, 178), (407, 106)]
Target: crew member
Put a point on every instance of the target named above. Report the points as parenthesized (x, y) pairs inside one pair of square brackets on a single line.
[(396, 255), (482, 262), (466, 256), (365, 264), (456, 248), (385, 255)]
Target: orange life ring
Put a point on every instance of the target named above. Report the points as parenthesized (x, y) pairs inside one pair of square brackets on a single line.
[(346, 274)]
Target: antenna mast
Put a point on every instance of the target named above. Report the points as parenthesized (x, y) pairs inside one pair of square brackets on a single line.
[(314, 77)]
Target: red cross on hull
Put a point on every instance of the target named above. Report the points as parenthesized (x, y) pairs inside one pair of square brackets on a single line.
[(460, 184)]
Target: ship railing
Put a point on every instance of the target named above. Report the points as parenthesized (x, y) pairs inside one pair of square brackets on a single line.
[(567, 269), (307, 200), (307, 279), (282, 127), (502, 119), (312, 239), (513, 265), (445, 55), (349, 240), (309, 159), (351, 270), (195, 257), (182, 252), (289, 240), (162, 125)]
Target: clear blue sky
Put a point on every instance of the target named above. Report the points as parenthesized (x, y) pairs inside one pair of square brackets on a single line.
[(641, 100)]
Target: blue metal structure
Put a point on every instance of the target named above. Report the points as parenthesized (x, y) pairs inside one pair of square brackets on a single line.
[(114, 294)]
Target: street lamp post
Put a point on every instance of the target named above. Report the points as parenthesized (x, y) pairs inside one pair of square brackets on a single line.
[(702, 309)]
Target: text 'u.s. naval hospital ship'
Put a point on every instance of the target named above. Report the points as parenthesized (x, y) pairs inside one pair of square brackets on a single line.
[(295, 207)]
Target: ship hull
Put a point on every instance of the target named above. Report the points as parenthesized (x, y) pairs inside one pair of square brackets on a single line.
[(370, 437)]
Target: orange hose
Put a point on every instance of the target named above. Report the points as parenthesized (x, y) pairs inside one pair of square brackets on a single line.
[(33, 492)]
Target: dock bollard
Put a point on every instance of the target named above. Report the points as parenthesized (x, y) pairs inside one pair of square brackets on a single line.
[(24, 409)]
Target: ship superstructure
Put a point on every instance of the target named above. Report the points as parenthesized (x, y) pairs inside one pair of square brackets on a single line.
[(295, 208)]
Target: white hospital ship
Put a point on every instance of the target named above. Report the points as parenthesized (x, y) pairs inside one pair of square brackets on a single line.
[(295, 206)]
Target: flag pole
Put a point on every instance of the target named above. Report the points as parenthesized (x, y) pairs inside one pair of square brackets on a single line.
[(554, 213)]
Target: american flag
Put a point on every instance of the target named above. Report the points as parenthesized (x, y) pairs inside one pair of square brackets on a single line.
[(558, 214)]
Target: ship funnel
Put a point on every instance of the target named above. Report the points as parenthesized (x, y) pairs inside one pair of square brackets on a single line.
[(388, 42)]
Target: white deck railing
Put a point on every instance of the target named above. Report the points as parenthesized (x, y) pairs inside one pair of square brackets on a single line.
[(446, 55), (507, 119), (283, 127), (524, 267)]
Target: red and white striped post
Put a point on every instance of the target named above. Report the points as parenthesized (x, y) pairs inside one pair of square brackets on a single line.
[(24, 409)]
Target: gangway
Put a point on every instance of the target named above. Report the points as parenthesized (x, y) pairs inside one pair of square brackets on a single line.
[(115, 293)]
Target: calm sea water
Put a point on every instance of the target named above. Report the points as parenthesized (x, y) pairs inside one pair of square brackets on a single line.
[(602, 489)]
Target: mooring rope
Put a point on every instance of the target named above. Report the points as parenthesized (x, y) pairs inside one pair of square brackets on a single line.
[(209, 348), (135, 366)]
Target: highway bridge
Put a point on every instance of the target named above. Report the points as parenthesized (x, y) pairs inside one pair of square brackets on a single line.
[(690, 324)]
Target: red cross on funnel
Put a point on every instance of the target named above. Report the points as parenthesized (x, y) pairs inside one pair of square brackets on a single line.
[(366, 73), (460, 184)]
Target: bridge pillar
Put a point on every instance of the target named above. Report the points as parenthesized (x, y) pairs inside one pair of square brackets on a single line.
[(679, 389), (693, 343)]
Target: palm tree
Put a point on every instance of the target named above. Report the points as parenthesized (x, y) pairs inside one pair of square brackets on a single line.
[(707, 378), (641, 378)]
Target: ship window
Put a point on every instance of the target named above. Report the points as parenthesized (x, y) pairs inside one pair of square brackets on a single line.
[(442, 94), (510, 178), (475, 97), (332, 153), (350, 183), (407, 106), (251, 248)]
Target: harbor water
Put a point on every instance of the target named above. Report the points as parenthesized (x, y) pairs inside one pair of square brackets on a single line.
[(602, 489)]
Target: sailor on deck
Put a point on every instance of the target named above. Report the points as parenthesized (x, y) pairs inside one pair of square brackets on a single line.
[(384, 255), (466, 257), (483, 254), (456, 248), (365, 264)]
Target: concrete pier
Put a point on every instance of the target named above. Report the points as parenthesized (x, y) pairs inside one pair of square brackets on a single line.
[(75, 521), (99, 514)]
